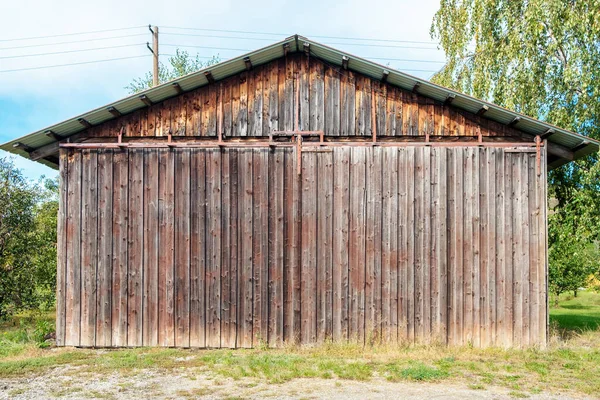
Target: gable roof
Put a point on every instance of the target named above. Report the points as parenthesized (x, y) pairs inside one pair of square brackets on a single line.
[(578, 144)]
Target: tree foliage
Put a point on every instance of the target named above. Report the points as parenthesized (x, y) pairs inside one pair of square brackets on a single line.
[(182, 63), (28, 214), (541, 58)]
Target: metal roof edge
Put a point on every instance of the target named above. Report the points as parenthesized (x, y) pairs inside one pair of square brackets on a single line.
[(222, 70)]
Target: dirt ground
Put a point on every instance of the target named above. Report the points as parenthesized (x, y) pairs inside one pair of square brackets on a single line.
[(73, 383)]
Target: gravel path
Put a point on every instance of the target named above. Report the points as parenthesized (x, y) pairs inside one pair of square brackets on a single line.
[(74, 383)]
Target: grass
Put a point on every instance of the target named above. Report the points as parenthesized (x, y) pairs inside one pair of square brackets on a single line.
[(577, 314), (571, 363)]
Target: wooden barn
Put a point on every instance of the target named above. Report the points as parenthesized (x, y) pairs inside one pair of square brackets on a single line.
[(301, 194)]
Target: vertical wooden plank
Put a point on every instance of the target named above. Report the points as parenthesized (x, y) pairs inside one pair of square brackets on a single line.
[(135, 250), (61, 247), (178, 115), (235, 106), (166, 284), (438, 262), (194, 111), (442, 229), (231, 252), (379, 90), (292, 271), (509, 197), (500, 254), (488, 244), (543, 244), (197, 248), (286, 93), (363, 106), (163, 118), (324, 256), (255, 102), (357, 244), (373, 245), (347, 96), (421, 274), (151, 250), (483, 283), (303, 68), (226, 278), (403, 250), (309, 241), (213, 248), (411, 227), (241, 116), (260, 246), (209, 110), (390, 111), (517, 241), (182, 247), (105, 241), (534, 289), (227, 100), (456, 214), (389, 245), (524, 246), (73, 278), (399, 111), (272, 123), (476, 268), (341, 200), (317, 96), (332, 102), (468, 244), (245, 243), (276, 247), (89, 251), (119, 252)]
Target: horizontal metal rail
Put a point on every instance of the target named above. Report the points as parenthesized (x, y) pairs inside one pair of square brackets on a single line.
[(250, 144)]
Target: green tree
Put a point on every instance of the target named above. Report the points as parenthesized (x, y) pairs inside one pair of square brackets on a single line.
[(182, 63), (541, 58), (27, 241)]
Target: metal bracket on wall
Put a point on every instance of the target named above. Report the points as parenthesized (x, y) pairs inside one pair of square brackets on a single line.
[(538, 155)]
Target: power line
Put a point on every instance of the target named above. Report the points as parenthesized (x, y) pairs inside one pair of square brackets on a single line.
[(315, 36), (204, 47), (214, 36), (270, 40), (73, 51), (73, 34), (70, 64), (406, 60), (73, 41)]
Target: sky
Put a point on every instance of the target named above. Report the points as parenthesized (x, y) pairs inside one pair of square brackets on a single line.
[(34, 99)]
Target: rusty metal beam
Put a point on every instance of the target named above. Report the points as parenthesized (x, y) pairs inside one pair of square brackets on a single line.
[(177, 87), (146, 100), (385, 76), (84, 122), (483, 110), (416, 87), (209, 76), (115, 113), (53, 136), (267, 143), (24, 147)]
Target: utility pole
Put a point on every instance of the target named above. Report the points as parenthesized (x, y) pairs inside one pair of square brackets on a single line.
[(154, 51)]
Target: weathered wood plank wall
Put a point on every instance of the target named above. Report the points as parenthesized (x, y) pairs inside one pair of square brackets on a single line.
[(340, 102), (232, 248)]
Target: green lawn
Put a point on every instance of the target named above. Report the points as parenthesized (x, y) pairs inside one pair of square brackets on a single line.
[(577, 313), (570, 363)]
